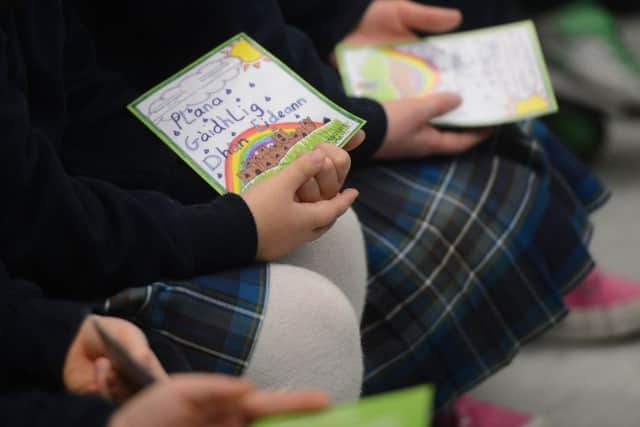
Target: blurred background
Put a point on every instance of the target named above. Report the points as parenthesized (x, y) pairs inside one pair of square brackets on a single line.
[(593, 51)]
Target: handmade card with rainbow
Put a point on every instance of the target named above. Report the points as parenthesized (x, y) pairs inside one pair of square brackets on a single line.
[(500, 73), (238, 115)]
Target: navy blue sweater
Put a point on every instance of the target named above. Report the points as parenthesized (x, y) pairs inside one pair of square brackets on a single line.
[(62, 227)]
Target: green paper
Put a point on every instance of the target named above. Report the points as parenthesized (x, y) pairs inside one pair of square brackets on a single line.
[(405, 408), (500, 73), (238, 114)]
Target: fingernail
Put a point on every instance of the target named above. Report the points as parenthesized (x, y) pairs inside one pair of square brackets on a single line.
[(317, 156)]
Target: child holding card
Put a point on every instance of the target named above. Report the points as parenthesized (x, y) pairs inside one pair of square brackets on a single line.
[(455, 241), (82, 237)]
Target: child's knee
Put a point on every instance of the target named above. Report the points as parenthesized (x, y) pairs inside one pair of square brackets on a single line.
[(309, 336), (340, 256)]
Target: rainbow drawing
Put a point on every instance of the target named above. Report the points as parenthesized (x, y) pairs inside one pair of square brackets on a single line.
[(390, 74), (244, 147)]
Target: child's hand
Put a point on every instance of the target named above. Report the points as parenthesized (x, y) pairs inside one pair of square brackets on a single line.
[(410, 135), (284, 222), (328, 182), (330, 179), (88, 369), (388, 21)]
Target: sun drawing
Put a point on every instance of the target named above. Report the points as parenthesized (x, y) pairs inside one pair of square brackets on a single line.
[(247, 53)]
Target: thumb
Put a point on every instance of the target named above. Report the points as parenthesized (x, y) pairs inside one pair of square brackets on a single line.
[(302, 169), (355, 142), (435, 105), (322, 214)]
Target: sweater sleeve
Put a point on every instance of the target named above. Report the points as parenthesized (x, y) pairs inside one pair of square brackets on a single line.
[(38, 409), (89, 238)]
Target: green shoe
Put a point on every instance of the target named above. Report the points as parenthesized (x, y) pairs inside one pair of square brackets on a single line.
[(583, 130), (589, 61)]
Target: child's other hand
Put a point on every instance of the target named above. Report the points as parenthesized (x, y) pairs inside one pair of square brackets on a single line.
[(387, 21), (283, 221), (88, 369), (410, 135)]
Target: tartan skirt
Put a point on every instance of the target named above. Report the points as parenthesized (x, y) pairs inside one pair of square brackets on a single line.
[(469, 257), (205, 324)]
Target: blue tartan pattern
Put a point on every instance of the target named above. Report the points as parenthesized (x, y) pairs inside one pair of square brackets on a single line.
[(469, 257), (214, 320)]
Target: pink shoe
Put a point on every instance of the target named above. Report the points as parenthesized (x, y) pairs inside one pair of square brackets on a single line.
[(470, 412), (603, 306)]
